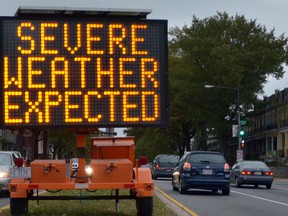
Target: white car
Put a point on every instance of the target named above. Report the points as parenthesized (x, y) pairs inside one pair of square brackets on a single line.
[(6, 161)]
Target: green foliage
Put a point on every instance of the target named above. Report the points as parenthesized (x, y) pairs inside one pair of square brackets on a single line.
[(225, 51), (62, 142), (151, 142), (220, 50)]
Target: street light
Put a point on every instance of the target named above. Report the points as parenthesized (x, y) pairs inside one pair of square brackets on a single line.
[(238, 109)]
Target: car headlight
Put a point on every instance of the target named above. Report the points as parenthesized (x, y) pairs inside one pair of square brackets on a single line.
[(88, 170), (3, 175)]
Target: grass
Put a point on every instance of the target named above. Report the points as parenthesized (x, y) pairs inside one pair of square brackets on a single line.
[(89, 207)]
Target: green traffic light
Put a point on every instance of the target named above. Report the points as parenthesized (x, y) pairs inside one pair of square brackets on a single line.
[(242, 133)]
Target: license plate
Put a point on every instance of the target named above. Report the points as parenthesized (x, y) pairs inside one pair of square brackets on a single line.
[(169, 170), (257, 173), (20, 172), (207, 171)]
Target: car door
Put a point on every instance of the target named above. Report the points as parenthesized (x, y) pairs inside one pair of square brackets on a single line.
[(178, 170), (234, 172)]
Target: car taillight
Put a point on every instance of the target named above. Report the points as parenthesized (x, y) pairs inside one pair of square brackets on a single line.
[(187, 166), (156, 166), (269, 173), (246, 172), (226, 167)]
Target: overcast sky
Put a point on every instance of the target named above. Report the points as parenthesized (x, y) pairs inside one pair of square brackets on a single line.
[(270, 13)]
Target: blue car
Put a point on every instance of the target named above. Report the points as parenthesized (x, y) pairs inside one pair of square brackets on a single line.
[(206, 170)]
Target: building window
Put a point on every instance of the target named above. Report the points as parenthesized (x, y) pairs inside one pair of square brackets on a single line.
[(274, 143), (269, 144)]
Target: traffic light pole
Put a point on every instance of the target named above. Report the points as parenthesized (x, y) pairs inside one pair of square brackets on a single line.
[(239, 120), (238, 111)]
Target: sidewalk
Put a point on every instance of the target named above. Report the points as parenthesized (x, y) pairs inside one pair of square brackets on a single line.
[(281, 179)]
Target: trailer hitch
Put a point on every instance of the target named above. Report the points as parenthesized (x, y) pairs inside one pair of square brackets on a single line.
[(48, 168)]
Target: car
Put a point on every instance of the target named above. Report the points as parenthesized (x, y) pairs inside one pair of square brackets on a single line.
[(251, 172), (205, 170), (163, 165), (6, 161)]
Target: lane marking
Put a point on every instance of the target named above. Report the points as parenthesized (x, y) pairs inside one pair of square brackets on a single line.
[(260, 198), (189, 211)]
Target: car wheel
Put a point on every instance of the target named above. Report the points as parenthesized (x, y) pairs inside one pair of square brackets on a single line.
[(173, 185), (154, 177), (256, 186), (182, 188), (18, 206), (238, 185), (268, 186), (144, 206), (226, 192)]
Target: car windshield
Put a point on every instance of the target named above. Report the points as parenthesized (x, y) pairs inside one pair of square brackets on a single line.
[(5, 159), (168, 160), (206, 158), (254, 164)]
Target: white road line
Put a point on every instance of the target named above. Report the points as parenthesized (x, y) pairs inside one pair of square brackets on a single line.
[(256, 197)]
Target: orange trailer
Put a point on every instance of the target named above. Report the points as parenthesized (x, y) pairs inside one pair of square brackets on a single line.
[(113, 167)]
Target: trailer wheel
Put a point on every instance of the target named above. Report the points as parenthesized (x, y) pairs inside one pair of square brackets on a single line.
[(144, 206), (18, 206)]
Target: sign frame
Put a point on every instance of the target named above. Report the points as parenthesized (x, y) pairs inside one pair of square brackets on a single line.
[(162, 78)]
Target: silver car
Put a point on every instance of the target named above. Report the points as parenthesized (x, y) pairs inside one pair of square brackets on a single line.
[(6, 161), (251, 172)]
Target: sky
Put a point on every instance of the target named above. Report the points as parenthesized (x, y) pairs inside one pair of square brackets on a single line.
[(269, 13)]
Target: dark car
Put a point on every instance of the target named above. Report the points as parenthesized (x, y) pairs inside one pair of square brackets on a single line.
[(164, 165), (251, 172), (206, 170)]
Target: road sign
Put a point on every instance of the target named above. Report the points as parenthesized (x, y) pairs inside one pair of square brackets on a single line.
[(239, 155), (234, 130), (243, 122), (83, 72)]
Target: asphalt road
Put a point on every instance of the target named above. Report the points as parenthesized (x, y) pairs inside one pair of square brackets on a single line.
[(248, 201)]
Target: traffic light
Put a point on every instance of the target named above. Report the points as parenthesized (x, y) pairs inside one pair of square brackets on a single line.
[(242, 144), (242, 133)]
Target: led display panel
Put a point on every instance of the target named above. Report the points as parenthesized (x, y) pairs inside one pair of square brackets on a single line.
[(88, 72)]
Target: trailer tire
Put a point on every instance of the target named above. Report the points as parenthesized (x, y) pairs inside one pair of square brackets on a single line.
[(144, 206), (18, 206)]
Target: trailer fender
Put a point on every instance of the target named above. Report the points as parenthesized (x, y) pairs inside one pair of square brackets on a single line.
[(143, 175)]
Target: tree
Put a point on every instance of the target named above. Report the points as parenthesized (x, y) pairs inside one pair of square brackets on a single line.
[(61, 142), (225, 51), (220, 50)]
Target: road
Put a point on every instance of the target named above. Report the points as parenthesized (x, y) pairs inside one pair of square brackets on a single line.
[(247, 200)]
